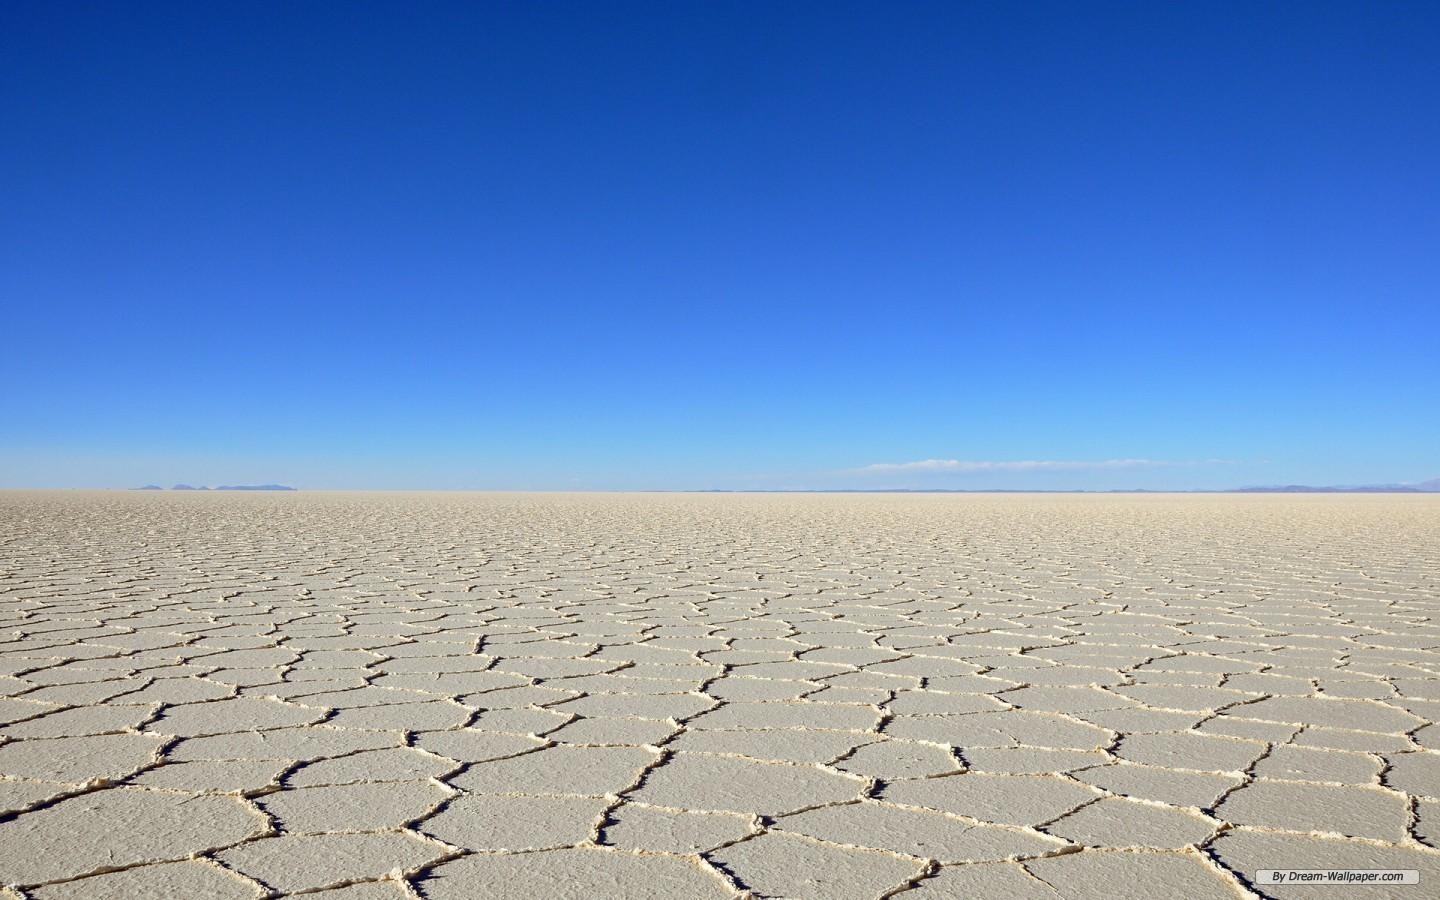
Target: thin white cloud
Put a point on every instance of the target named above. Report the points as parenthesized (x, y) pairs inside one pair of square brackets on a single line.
[(1013, 465)]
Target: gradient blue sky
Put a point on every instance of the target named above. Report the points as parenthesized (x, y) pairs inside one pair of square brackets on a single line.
[(720, 245)]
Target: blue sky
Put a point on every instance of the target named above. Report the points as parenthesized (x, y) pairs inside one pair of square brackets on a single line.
[(721, 245)]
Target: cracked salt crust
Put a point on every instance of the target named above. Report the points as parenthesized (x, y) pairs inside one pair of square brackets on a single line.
[(380, 697)]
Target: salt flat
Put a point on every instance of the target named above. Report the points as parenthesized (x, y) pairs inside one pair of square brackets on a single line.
[(366, 696)]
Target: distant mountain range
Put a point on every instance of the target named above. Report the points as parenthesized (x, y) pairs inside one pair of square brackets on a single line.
[(1419, 487), (223, 487), (1431, 486)]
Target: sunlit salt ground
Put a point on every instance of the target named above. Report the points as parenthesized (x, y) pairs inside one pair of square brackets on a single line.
[(672, 696)]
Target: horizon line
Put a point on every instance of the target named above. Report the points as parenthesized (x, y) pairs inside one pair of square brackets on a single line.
[(1258, 489)]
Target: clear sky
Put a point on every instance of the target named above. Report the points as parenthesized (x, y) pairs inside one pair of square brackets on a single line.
[(719, 245)]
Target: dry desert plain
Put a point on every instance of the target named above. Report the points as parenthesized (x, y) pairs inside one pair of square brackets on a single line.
[(386, 696)]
